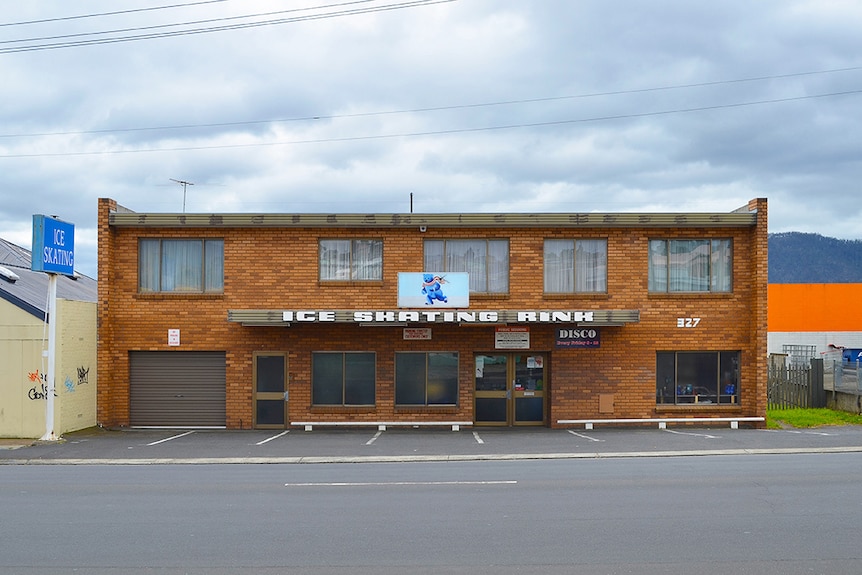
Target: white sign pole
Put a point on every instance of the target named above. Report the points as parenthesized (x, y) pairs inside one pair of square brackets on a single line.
[(52, 347)]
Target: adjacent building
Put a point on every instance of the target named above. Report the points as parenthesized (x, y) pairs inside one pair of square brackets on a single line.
[(23, 331), (244, 320)]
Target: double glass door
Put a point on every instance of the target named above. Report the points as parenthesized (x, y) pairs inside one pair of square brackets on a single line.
[(510, 389)]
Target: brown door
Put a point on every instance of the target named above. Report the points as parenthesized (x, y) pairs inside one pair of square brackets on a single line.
[(270, 390), (510, 389)]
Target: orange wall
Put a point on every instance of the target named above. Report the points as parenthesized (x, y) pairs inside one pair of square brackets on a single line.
[(815, 307)]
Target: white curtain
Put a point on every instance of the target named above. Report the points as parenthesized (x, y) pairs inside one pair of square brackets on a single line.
[(182, 265)]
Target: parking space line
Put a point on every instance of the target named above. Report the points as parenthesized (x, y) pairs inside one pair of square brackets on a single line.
[(170, 438), (693, 434), (479, 440), (268, 439), (373, 439), (581, 435)]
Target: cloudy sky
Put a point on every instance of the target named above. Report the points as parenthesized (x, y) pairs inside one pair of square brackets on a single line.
[(468, 105)]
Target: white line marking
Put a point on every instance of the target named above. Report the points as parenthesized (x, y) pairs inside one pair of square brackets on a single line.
[(387, 483), (583, 436), (694, 434), (170, 438), (373, 439), (268, 439), (479, 440)]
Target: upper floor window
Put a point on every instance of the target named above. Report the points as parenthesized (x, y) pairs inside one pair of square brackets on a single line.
[(351, 260), (575, 266), (487, 262), (690, 265), (188, 266)]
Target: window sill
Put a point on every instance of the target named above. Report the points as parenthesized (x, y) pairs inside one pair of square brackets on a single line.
[(350, 283), (576, 295), (696, 407), (344, 408), (488, 296), (426, 408), (178, 295), (690, 294)]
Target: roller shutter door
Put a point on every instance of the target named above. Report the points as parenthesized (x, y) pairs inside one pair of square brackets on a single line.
[(177, 389)]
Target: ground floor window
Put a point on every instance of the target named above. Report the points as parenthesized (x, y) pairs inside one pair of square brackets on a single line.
[(697, 377), (343, 378), (426, 378)]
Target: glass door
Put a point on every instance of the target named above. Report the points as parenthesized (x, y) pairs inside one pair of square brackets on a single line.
[(509, 389), (492, 391), (528, 391), (270, 391)]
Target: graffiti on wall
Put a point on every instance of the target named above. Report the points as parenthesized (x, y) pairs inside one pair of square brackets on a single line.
[(40, 381)]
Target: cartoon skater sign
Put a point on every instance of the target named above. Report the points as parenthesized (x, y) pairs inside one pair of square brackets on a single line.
[(433, 289)]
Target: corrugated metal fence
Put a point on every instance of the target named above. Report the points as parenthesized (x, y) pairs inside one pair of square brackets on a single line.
[(796, 385)]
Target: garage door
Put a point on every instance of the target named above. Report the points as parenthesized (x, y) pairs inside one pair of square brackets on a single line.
[(177, 389)]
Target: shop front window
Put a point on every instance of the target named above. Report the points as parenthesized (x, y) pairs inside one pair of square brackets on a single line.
[(426, 378), (342, 378), (703, 377)]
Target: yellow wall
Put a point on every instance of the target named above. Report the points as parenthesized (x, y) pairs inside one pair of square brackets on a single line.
[(815, 308), (76, 366), (22, 370), (21, 358)]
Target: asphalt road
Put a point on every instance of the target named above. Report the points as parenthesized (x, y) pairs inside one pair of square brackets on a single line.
[(607, 501), (764, 514)]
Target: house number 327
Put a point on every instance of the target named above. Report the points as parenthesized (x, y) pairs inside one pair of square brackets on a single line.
[(687, 321)]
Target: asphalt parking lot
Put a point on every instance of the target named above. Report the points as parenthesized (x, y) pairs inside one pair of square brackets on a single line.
[(153, 446)]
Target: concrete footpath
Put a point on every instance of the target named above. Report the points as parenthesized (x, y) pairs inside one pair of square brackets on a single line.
[(98, 446)]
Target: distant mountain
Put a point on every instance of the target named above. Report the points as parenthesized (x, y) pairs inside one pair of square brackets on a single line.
[(799, 258)]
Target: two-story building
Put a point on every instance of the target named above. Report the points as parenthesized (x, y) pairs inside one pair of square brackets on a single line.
[(245, 320)]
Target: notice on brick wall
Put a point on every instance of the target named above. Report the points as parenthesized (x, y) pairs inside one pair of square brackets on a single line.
[(512, 338), (417, 333), (173, 337)]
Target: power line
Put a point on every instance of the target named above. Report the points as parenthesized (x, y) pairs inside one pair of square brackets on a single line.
[(100, 14), (189, 23), (192, 31), (442, 132), (432, 108)]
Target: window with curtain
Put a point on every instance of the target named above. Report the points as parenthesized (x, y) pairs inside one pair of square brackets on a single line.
[(426, 378), (184, 266), (576, 266), (487, 262), (351, 260), (693, 265), (342, 378)]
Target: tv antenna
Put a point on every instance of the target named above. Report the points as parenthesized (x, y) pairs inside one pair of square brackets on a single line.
[(185, 185)]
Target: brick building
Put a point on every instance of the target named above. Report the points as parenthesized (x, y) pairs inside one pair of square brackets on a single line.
[(279, 320)]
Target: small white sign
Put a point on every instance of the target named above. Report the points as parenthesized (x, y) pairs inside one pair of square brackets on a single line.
[(173, 337), (512, 338)]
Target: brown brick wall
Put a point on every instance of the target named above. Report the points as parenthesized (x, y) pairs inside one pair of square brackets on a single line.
[(276, 268)]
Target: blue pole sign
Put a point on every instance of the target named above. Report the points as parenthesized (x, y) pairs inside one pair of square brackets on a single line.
[(53, 246)]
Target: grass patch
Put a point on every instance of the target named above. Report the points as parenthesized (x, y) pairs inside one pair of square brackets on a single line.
[(799, 417)]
